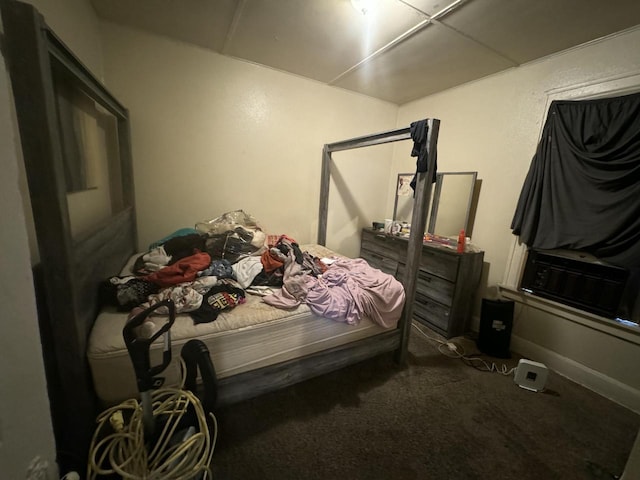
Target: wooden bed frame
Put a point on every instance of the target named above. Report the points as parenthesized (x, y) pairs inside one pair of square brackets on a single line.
[(67, 284)]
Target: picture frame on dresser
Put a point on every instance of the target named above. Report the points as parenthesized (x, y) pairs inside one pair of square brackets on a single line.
[(403, 204)]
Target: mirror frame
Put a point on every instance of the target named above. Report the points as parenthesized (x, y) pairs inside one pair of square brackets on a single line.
[(402, 176), (433, 216), (435, 204)]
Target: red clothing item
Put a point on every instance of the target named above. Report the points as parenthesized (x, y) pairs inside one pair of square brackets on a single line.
[(270, 262), (184, 270), (274, 240)]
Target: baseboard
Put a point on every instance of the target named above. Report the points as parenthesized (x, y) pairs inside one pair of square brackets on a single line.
[(593, 380)]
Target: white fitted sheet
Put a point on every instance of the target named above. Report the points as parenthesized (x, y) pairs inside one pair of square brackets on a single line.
[(250, 336)]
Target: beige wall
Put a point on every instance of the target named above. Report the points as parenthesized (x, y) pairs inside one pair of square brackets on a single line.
[(213, 134), (492, 126), (77, 25)]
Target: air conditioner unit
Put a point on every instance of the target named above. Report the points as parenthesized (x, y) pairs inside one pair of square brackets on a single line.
[(576, 279)]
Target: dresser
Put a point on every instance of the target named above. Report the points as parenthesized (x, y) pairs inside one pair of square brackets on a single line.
[(446, 284)]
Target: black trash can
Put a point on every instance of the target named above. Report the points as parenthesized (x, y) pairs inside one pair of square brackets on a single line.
[(496, 323)]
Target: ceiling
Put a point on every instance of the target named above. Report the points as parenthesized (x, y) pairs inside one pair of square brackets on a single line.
[(400, 50)]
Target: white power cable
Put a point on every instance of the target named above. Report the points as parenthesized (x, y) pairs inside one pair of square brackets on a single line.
[(118, 445), (454, 350), (71, 476)]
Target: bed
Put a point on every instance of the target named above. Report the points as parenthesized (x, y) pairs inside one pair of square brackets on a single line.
[(72, 265), (248, 337)]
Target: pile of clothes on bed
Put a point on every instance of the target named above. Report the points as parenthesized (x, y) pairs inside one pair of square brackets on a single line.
[(212, 267)]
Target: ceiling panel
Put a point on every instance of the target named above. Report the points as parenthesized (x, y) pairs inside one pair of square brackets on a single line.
[(380, 54), (524, 30), (316, 39), (429, 7), (430, 61), (201, 22)]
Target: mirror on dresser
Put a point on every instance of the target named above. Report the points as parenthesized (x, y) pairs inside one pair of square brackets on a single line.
[(451, 202)]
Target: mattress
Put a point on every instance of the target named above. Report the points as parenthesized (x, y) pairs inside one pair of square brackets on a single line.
[(247, 337)]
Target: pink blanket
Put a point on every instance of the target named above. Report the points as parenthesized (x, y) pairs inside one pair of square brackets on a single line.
[(348, 289)]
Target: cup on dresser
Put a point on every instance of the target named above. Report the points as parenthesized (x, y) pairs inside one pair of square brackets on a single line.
[(388, 224)]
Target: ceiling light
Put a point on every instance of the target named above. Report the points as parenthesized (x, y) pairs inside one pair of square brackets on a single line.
[(362, 6)]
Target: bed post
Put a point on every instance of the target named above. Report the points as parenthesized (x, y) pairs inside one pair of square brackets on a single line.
[(324, 195), (422, 198), (325, 176), (418, 223)]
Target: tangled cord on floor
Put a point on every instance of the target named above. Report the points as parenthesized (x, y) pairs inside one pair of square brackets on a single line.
[(118, 445), (454, 350)]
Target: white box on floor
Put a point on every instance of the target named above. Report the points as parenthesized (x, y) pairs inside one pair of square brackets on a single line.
[(531, 375)]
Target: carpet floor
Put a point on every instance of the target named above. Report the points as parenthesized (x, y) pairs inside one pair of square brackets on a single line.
[(435, 418)]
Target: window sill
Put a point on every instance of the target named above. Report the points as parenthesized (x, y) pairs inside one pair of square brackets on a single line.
[(628, 331)]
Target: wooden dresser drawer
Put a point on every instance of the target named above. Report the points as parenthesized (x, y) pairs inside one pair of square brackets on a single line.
[(431, 286), (432, 313), (375, 260), (446, 280), (435, 287), (441, 263), (382, 245)]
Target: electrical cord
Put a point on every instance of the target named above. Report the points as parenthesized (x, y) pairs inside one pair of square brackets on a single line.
[(454, 350), (71, 476), (120, 443)]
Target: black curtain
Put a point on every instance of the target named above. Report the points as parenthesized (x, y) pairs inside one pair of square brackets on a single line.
[(582, 191)]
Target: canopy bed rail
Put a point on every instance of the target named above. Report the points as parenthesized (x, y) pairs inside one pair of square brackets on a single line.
[(421, 202)]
